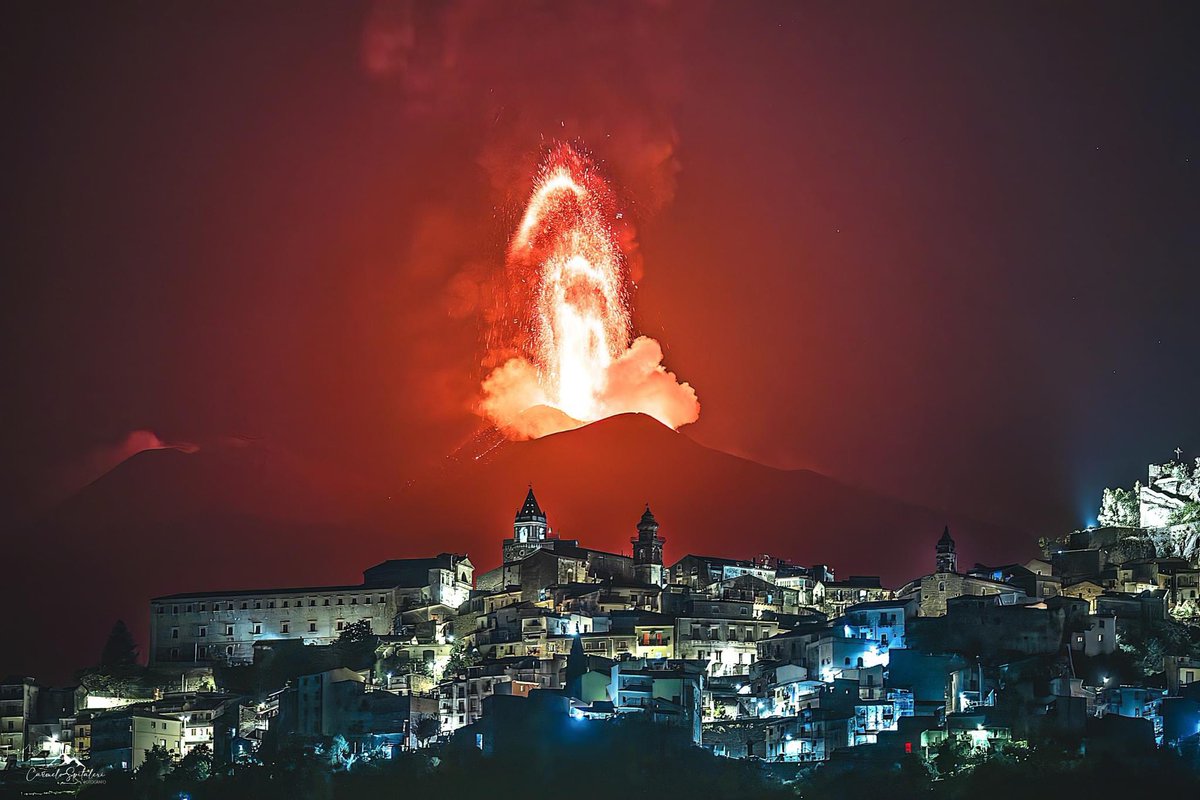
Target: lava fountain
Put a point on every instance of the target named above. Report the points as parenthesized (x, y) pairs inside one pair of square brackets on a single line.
[(568, 301), (565, 243)]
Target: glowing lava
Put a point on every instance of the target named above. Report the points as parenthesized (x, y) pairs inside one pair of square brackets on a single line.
[(568, 302), (565, 244)]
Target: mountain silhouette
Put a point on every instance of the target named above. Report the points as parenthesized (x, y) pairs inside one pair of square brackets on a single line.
[(252, 515)]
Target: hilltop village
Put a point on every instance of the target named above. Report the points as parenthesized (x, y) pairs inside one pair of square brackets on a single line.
[(757, 659)]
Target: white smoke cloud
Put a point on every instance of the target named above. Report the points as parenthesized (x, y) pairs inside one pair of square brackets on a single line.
[(635, 382)]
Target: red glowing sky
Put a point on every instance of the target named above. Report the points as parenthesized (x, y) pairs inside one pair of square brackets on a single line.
[(901, 247), (942, 251)]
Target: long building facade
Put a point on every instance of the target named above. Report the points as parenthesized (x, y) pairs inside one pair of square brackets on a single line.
[(222, 627)]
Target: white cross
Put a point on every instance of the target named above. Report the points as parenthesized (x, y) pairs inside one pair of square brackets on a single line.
[(1178, 452)]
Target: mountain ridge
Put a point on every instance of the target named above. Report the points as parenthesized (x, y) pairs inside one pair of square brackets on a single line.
[(166, 521)]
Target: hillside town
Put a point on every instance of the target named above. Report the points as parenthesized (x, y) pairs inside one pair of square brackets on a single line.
[(757, 658)]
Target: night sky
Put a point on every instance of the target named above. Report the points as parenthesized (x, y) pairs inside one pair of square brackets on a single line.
[(943, 250)]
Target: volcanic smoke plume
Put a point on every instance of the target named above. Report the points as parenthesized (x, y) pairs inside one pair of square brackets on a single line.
[(566, 316)]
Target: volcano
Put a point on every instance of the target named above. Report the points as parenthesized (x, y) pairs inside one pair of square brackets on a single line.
[(253, 516), (595, 481)]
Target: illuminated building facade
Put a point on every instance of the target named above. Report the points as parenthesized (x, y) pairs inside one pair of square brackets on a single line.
[(223, 627)]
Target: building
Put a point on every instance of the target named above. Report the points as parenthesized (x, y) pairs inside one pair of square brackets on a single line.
[(121, 739), (223, 627), (340, 702), (460, 697), (18, 707), (722, 633), (931, 592), (668, 690), (840, 595), (700, 572), (882, 622)]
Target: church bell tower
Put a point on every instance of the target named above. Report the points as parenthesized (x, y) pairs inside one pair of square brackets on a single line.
[(947, 559), (648, 551), (530, 530)]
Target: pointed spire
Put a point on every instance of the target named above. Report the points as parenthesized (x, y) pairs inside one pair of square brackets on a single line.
[(577, 666), (530, 510)]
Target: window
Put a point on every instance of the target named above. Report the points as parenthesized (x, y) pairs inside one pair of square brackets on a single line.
[(257, 627), (189, 608), (229, 630), (326, 601), (285, 627), (202, 631), (174, 653), (941, 586), (258, 604), (270, 604), (174, 633), (204, 606), (312, 627), (161, 610), (174, 609), (341, 624), (243, 605), (229, 650), (341, 602)]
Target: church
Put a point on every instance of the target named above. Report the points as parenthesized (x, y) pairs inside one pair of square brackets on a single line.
[(534, 558)]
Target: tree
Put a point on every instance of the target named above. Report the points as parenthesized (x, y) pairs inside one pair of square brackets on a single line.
[(461, 657), (120, 652), (356, 645), (357, 631), (425, 728), (196, 765), (157, 765)]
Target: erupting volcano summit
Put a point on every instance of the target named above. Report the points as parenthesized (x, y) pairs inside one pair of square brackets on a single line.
[(566, 316)]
